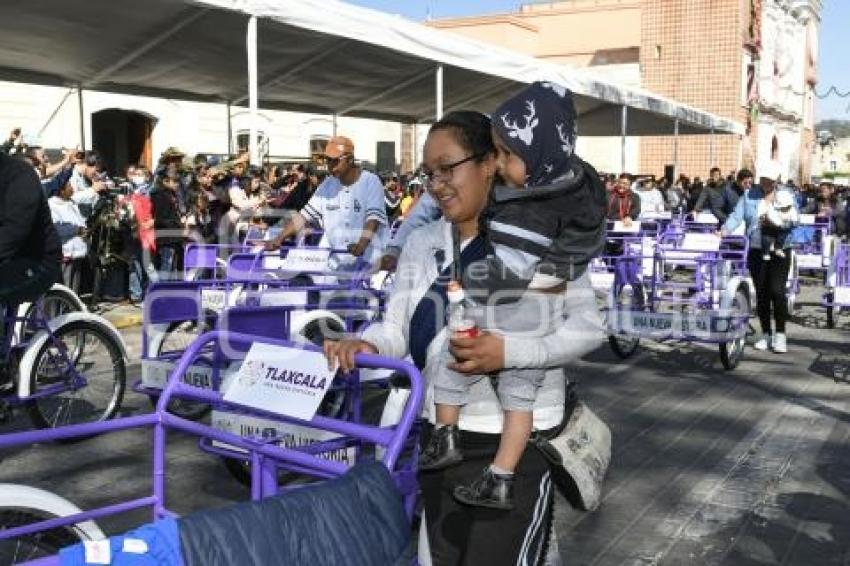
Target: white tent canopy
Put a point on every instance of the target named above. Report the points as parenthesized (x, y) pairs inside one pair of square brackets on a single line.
[(317, 56)]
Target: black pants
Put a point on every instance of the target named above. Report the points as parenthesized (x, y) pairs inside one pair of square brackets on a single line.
[(770, 278), (459, 534)]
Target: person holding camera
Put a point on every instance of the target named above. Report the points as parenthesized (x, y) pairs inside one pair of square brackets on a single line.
[(88, 181), (348, 205)]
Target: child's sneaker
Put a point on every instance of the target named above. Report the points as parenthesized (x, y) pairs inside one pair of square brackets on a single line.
[(494, 491), (766, 257), (442, 451)]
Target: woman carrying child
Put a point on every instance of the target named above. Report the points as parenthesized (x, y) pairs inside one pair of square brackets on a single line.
[(461, 162)]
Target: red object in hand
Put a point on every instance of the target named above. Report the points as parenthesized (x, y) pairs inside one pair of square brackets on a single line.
[(467, 329), (459, 325)]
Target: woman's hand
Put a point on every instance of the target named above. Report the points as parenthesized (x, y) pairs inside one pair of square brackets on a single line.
[(341, 353), (482, 354)]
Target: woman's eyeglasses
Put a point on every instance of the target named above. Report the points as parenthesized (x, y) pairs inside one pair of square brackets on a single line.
[(445, 172)]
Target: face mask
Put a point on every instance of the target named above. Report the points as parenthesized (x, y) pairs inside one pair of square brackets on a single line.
[(138, 180)]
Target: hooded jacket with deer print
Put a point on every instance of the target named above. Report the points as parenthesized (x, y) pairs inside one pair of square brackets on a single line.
[(544, 234)]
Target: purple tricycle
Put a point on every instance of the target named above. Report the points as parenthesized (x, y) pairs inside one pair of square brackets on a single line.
[(698, 291), (837, 296), (176, 312), (35, 537), (209, 261)]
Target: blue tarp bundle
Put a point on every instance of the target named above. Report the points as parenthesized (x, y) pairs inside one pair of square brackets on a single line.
[(355, 519)]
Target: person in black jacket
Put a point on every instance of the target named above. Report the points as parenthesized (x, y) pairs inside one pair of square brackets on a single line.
[(168, 224), (623, 204), (712, 196), (30, 250), (736, 189)]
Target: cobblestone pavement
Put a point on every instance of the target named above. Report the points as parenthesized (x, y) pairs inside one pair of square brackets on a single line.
[(714, 467), (708, 467)]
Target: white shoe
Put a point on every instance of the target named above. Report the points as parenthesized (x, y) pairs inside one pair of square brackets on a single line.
[(780, 343), (764, 343)]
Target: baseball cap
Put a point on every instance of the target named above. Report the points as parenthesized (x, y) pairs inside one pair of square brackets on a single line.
[(338, 146)]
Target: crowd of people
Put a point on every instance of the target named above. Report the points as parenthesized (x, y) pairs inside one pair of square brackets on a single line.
[(633, 195), (119, 233)]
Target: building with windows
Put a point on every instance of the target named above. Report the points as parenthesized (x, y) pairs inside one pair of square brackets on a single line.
[(752, 61), (832, 158)]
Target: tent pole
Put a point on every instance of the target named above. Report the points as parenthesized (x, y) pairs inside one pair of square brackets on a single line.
[(229, 130), (82, 117), (253, 146), (676, 148), (334, 117), (711, 149), (439, 92), (415, 161), (624, 118)]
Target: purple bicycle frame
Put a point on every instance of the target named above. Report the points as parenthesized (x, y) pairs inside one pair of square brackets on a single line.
[(10, 320), (841, 265), (266, 458)]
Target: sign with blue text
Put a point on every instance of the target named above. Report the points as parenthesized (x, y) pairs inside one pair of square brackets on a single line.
[(282, 380)]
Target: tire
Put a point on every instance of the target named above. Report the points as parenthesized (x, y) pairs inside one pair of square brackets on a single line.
[(100, 398), (732, 352), (625, 346), (331, 406), (182, 334), (36, 545), (55, 302)]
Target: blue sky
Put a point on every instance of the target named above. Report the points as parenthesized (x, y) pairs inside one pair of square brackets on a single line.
[(834, 59), (834, 45)]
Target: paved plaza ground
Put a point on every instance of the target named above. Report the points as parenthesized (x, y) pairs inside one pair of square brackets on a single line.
[(708, 467)]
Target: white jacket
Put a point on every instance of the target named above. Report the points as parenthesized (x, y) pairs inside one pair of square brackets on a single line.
[(651, 201), (67, 211), (580, 332)]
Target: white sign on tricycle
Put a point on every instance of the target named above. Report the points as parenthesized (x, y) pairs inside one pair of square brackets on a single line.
[(809, 261), (299, 259), (286, 435), (282, 380), (715, 325), (701, 241), (216, 300), (155, 374)]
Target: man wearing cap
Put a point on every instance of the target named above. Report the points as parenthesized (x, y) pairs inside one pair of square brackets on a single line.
[(171, 163), (348, 205)]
